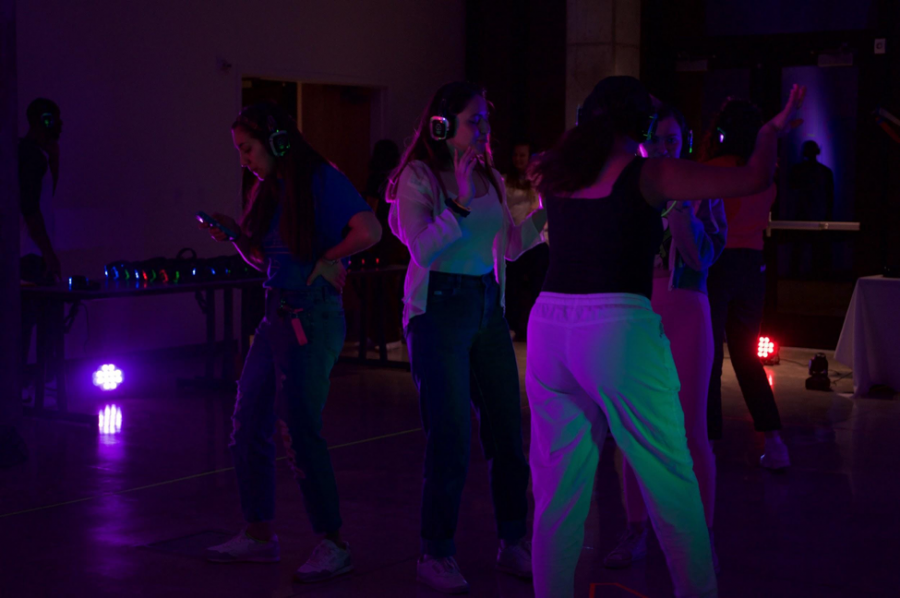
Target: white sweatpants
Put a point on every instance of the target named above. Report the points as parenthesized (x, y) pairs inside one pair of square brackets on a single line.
[(598, 362)]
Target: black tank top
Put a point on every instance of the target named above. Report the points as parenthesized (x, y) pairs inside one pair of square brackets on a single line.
[(604, 245)]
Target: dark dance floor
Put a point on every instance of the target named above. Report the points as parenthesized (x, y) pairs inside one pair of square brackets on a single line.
[(126, 514)]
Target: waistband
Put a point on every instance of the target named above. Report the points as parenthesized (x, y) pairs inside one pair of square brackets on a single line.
[(461, 281), (596, 300)]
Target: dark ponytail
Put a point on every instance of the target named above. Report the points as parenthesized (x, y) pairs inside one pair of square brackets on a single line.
[(576, 159), (618, 106)]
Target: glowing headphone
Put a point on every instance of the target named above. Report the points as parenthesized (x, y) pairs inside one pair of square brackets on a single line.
[(279, 141), (48, 119), (690, 140), (439, 125), (648, 132), (721, 134)]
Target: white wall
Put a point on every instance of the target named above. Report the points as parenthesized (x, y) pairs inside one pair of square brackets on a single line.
[(147, 115)]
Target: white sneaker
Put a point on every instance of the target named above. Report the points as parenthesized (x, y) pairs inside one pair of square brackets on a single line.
[(632, 547), (328, 560), (441, 574), (515, 559), (776, 455), (244, 549)]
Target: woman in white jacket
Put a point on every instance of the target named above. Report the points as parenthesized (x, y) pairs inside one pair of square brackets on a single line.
[(449, 208)]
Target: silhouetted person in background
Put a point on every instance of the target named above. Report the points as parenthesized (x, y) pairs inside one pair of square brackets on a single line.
[(812, 184), (385, 157), (812, 189), (38, 178), (525, 276), (390, 251)]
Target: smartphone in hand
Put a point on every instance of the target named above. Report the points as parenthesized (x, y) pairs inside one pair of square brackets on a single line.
[(210, 221)]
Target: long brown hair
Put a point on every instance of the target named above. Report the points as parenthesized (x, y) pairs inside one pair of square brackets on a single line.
[(296, 168), (449, 100), (618, 106)]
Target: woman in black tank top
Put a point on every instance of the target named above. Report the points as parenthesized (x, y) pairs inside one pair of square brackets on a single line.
[(598, 359), (621, 226)]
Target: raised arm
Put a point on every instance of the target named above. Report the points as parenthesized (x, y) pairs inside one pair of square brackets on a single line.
[(663, 180)]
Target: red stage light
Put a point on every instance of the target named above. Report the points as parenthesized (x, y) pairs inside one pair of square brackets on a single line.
[(767, 350)]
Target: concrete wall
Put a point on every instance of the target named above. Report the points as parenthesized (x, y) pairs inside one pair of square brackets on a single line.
[(603, 39)]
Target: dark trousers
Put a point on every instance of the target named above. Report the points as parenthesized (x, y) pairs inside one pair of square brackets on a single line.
[(461, 355), (283, 380), (32, 268), (524, 281), (737, 292)]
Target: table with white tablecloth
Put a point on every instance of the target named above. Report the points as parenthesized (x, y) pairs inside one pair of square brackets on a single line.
[(870, 338)]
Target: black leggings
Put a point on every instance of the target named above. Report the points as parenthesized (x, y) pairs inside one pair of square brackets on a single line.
[(737, 292)]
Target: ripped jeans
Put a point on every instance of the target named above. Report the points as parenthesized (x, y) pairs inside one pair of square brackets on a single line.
[(287, 383)]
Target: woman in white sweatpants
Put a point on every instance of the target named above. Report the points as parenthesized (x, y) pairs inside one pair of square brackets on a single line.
[(598, 359)]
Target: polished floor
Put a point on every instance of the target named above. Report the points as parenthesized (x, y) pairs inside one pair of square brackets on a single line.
[(125, 514)]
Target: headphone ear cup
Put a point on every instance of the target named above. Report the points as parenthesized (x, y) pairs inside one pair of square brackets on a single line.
[(279, 143), (647, 126), (439, 127)]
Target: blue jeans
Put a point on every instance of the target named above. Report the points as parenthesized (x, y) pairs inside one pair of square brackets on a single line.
[(461, 354), (285, 381)]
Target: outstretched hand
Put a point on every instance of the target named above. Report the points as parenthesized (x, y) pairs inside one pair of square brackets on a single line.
[(786, 120)]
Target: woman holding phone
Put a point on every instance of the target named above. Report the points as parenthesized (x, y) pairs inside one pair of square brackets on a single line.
[(297, 208)]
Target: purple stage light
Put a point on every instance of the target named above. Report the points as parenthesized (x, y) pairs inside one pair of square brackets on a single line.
[(110, 420), (108, 377)]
